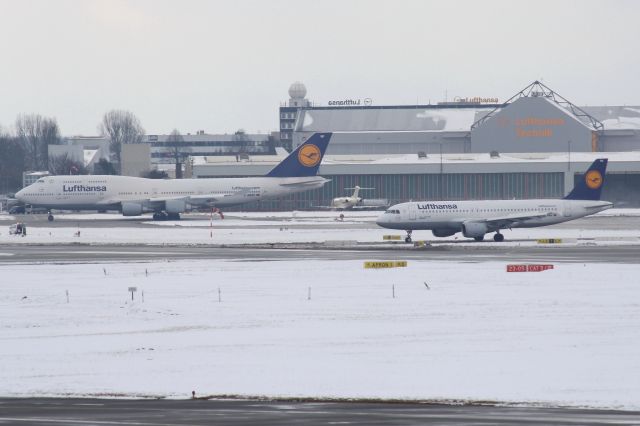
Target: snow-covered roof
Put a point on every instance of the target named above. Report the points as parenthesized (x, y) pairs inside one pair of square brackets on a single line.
[(466, 158), (439, 119), (392, 119), (209, 138), (232, 159)]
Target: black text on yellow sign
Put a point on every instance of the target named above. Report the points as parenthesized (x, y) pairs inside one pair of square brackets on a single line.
[(550, 241), (386, 264)]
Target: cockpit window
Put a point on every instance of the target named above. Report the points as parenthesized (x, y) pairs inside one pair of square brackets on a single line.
[(393, 211), (40, 181)]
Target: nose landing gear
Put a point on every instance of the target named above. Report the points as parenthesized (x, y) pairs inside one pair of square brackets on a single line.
[(407, 239)]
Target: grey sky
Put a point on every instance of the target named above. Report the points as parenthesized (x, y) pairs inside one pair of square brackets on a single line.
[(224, 65)]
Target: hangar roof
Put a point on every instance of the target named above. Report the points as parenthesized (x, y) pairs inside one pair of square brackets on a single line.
[(411, 163), (409, 118)]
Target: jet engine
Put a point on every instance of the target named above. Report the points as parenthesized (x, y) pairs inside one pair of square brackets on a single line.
[(131, 209), (474, 229), (175, 206), (444, 232)]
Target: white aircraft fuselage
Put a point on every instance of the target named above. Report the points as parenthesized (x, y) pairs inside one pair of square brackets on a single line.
[(446, 218), (87, 192)]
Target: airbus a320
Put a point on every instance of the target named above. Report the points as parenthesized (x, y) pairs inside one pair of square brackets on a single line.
[(475, 219)]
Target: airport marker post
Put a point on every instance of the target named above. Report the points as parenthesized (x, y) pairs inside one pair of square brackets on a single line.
[(132, 290)]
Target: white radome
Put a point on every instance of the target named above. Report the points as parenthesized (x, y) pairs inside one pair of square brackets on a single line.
[(297, 90)]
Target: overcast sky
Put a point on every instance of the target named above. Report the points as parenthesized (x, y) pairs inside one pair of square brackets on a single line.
[(224, 65)]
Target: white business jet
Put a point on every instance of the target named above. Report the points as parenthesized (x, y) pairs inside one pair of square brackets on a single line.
[(356, 202), (477, 218), (167, 198)]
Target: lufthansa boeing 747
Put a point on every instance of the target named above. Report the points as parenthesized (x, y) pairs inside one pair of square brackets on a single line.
[(134, 196), (477, 218)]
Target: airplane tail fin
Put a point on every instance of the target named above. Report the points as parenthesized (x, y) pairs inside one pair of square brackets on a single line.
[(589, 186), (356, 191), (304, 160)]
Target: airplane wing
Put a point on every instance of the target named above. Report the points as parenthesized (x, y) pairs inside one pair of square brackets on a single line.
[(300, 184), (508, 221), (213, 198), (377, 207), (163, 199)]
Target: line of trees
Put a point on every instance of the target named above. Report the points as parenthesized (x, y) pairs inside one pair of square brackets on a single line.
[(27, 147)]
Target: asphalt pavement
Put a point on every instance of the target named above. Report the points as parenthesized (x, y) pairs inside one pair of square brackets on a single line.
[(51, 411), (85, 253)]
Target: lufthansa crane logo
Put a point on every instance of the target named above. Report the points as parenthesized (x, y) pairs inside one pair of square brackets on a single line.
[(593, 179), (309, 155)]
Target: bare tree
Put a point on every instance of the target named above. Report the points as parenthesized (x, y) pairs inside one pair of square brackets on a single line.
[(11, 163), (104, 167), (154, 174), (242, 141), (65, 165), (176, 149), (35, 134), (122, 127)]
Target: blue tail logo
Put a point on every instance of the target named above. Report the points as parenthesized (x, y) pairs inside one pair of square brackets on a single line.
[(593, 179), (590, 186), (309, 155), (305, 160)]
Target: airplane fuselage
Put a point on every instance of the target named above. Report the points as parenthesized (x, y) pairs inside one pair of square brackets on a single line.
[(91, 192), (450, 216)]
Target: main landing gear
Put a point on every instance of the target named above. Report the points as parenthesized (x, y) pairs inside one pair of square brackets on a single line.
[(166, 216), (498, 237), (407, 239)]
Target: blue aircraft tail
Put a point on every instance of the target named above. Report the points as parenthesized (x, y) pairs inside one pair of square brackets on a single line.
[(589, 186), (304, 160)]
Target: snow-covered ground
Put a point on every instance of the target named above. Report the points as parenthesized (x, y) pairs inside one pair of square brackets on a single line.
[(282, 227), (567, 336), (236, 231), (296, 214)]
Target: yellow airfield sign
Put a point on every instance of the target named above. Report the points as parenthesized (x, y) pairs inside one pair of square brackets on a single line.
[(385, 264), (550, 241)]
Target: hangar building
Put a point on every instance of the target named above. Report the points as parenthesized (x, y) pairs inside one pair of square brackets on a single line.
[(536, 119), (530, 146)]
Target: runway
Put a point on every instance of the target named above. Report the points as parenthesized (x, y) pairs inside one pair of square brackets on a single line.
[(112, 220), (50, 411), (81, 253)]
